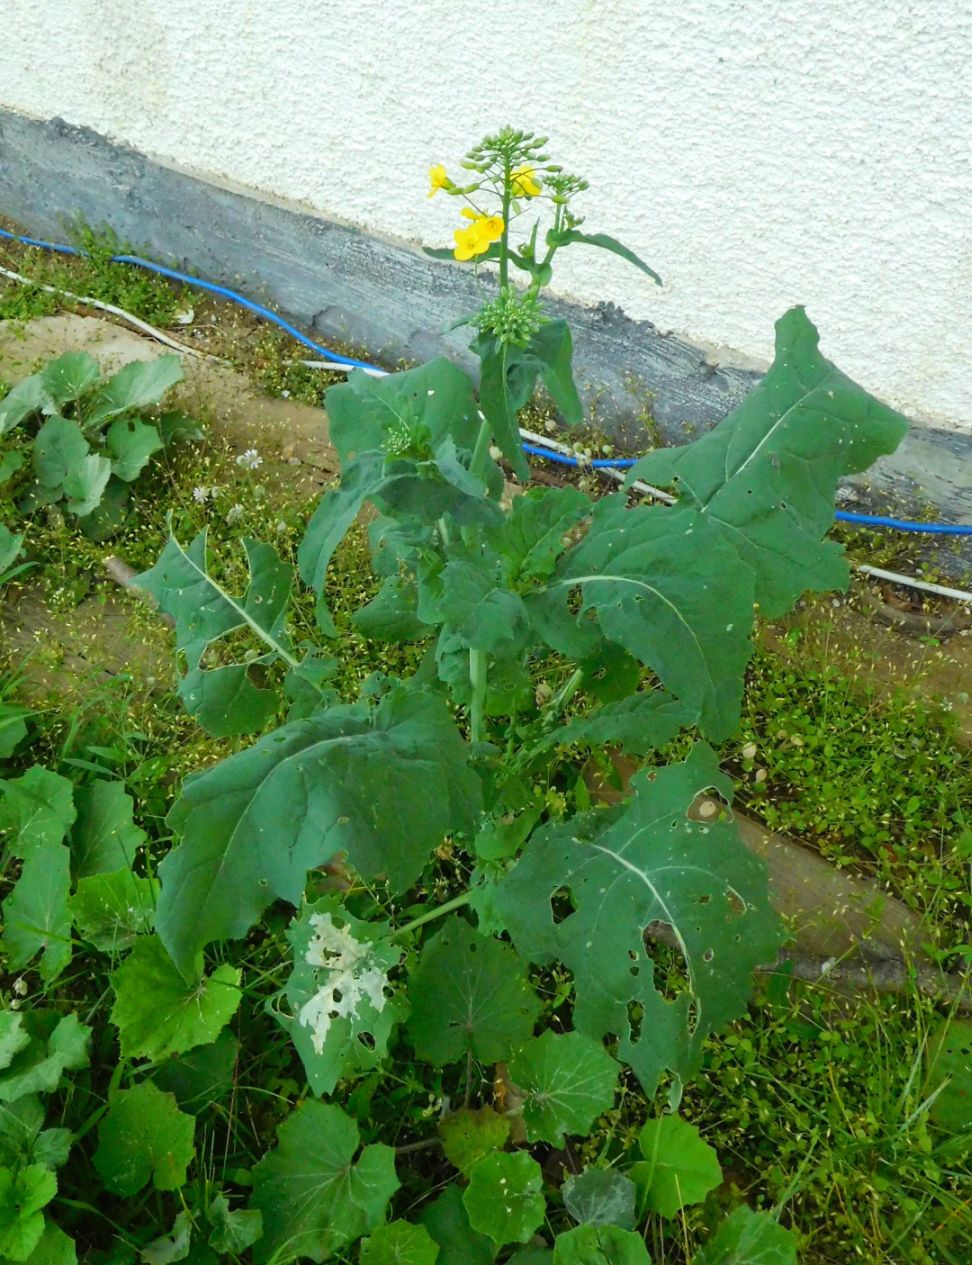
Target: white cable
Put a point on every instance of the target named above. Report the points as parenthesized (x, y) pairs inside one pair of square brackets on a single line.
[(335, 366), (138, 323), (942, 590), (617, 475)]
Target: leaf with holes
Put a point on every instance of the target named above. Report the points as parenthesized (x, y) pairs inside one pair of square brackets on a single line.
[(567, 1081), (104, 837), (469, 995), (224, 699), (679, 1168), (601, 1196), (315, 1197), (949, 1063), (349, 779), (340, 1011), (158, 1014), (766, 476), (504, 1198), (399, 1243), (584, 892), (600, 1245), (749, 1238), (144, 1137)]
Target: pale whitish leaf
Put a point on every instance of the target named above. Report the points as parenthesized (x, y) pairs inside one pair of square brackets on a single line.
[(110, 910), (447, 1221), (224, 700), (399, 1243), (600, 1245), (36, 918), (470, 994), (669, 589), (55, 1045), (584, 892), (749, 1238), (314, 1195), (766, 476), (104, 838), (144, 1137), (351, 779), (69, 377), (138, 385), (158, 1014), (172, 1247), (679, 1168), (504, 1198), (567, 1081), (37, 808), (601, 1196), (338, 992)]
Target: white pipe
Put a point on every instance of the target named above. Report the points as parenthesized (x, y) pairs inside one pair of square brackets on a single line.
[(942, 590)]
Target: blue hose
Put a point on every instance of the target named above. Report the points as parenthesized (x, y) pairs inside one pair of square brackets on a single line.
[(620, 463)]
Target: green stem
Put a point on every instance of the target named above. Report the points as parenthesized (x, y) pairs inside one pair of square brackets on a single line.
[(563, 696), (477, 465), (504, 259), (478, 680), (457, 902)]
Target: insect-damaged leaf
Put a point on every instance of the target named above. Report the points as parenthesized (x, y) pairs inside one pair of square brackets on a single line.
[(584, 892), (383, 785), (765, 477)]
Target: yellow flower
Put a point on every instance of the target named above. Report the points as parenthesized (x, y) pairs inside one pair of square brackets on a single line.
[(524, 184), (438, 179), (479, 236)]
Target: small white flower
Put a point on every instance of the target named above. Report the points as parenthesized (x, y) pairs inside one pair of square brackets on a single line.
[(281, 528), (201, 495), (250, 459), (285, 395), (20, 987), (14, 1003), (234, 514)]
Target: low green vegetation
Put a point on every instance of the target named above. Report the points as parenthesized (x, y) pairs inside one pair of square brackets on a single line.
[(325, 953)]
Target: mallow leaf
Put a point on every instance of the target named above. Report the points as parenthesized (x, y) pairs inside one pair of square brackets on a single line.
[(10, 549), (86, 483), (38, 810), (399, 1243), (766, 476), (59, 449), (110, 910), (381, 784), (679, 1168), (104, 837), (600, 1245), (28, 397), (567, 1081), (144, 1137), (224, 699), (131, 443), (504, 1198), (314, 1195), (23, 1193), (136, 386), (54, 1045), (749, 1238), (471, 1133), (584, 892), (601, 1196), (447, 1221)]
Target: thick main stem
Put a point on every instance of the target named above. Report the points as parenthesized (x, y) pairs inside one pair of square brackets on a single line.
[(430, 915), (478, 680)]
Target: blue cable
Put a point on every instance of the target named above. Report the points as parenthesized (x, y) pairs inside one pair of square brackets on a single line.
[(620, 463)]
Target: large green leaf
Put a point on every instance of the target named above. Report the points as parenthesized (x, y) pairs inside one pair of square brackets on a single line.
[(28, 397), (138, 385), (104, 837), (158, 1014), (749, 1238), (640, 723), (59, 450), (110, 910), (23, 1193), (673, 592), (679, 1168), (601, 1196), (339, 1013), (69, 377), (478, 612), (367, 413), (766, 476), (54, 1247), (54, 1045), (223, 699), (471, 1133), (584, 892), (552, 347), (315, 1197), (86, 484), (37, 809), (36, 917), (447, 1221), (10, 549), (469, 995), (202, 1076), (501, 394), (131, 443), (399, 1243), (348, 780), (567, 1081), (600, 1245), (949, 1063), (144, 1136), (504, 1198)]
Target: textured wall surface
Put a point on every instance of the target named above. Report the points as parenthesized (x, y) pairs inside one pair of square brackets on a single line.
[(758, 155)]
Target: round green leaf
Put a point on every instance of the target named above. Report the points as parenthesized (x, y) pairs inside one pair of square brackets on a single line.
[(470, 993), (399, 1243), (447, 1221), (144, 1135), (504, 1198), (601, 1196), (950, 1072), (567, 1080), (679, 1169), (749, 1238), (471, 1133), (157, 1013), (600, 1245)]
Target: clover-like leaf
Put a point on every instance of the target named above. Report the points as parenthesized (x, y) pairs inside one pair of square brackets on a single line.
[(679, 1167), (585, 891), (766, 476), (144, 1136), (104, 837), (137, 386), (567, 1080), (110, 910), (504, 1198), (447, 1221), (314, 1196), (601, 1196), (55, 1044), (600, 1245), (470, 994), (472, 1132), (399, 1243), (224, 699), (23, 1194), (340, 1012), (749, 1238), (157, 1013), (36, 917), (348, 779), (37, 809)]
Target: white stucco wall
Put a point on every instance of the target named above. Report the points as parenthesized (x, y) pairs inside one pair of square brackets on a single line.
[(757, 154)]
